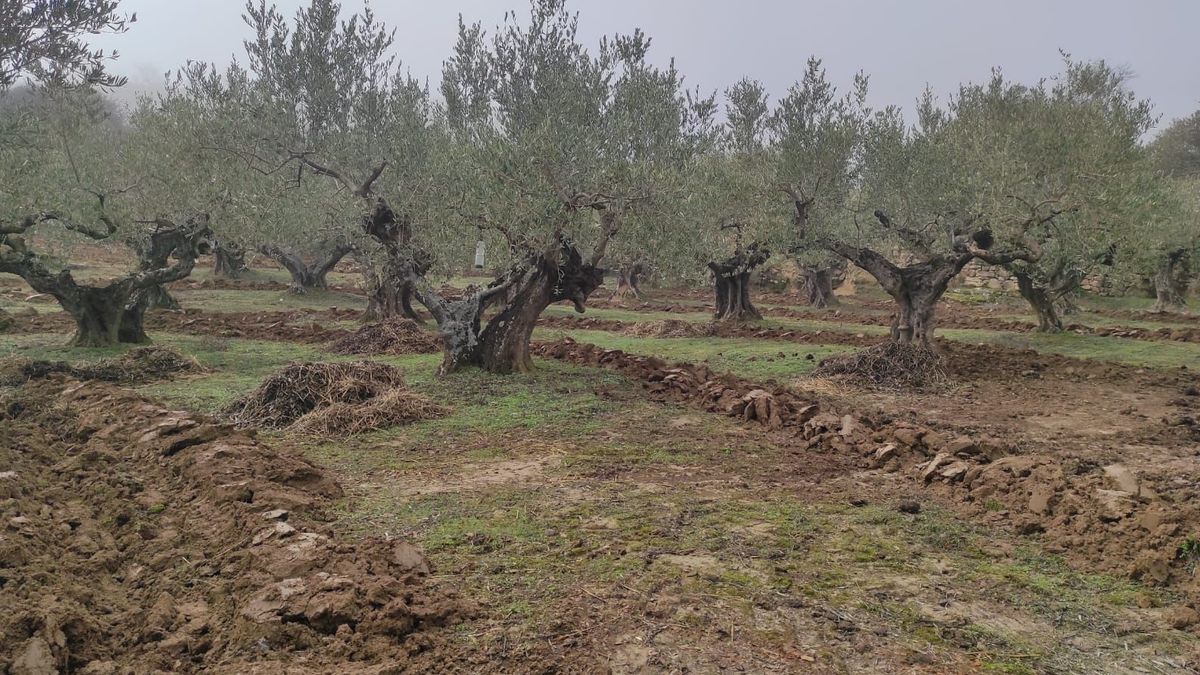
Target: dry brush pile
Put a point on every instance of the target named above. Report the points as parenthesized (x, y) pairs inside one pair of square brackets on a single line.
[(136, 366), (394, 336), (138, 539), (333, 398), (890, 365)]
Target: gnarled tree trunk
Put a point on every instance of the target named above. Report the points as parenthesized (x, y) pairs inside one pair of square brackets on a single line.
[(112, 314), (1039, 298), (307, 276), (629, 281), (1048, 295), (916, 289), (502, 346), (818, 285), (229, 260), (389, 293), (391, 289), (1170, 282), (731, 283)]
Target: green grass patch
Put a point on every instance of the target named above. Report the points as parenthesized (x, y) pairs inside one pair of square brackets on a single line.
[(750, 358)]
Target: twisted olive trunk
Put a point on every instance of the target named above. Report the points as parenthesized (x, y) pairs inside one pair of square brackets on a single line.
[(502, 344), (915, 289), (307, 276), (629, 281), (818, 286), (731, 284), (1170, 282), (229, 260)]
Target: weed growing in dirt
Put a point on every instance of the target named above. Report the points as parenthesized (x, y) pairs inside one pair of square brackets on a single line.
[(1189, 552)]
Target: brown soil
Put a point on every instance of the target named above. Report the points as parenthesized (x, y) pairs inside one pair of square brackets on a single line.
[(309, 327), (137, 539), (676, 328), (1107, 518), (294, 326), (394, 336), (951, 315)]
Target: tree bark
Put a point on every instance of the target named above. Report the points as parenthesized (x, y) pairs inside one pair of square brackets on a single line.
[(1047, 292), (99, 313), (502, 345), (1170, 282), (916, 289), (731, 284), (818, 286), (229, 260), (629, 281), (1039, 298), (307, 276), (389, 294), (111, 314)]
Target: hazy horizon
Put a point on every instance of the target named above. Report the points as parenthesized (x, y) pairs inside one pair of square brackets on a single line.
[(902, 46)]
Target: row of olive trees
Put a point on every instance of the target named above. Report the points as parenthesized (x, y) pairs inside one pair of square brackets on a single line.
[(1049, 181), (560, 157)]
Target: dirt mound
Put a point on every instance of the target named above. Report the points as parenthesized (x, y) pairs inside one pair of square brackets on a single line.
[(773, 406), (890, 365), (136, 366), (724, 329), (390, 336), (669, 328), (1101, 518), (295, 326), (144, 540), (328, 398)]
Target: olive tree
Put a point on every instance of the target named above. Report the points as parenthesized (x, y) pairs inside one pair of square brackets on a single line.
[(1169, 245), (1010, 174), (319, 91), (727, 181), (82, 176), (818, 136), (555, 151), (1073, 144)]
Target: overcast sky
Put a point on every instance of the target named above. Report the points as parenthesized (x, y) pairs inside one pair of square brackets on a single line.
[(901, 44)]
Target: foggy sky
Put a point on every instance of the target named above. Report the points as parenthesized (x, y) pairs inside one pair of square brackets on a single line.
[(902, 45)]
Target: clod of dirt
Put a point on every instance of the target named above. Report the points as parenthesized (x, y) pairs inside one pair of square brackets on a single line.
[(670, 328), (390, 336), (139, 365), (346, 397), (890, 365), (144, 540), (908, 507)]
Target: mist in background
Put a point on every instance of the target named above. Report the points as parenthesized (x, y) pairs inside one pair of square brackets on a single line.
[(902, 45)]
